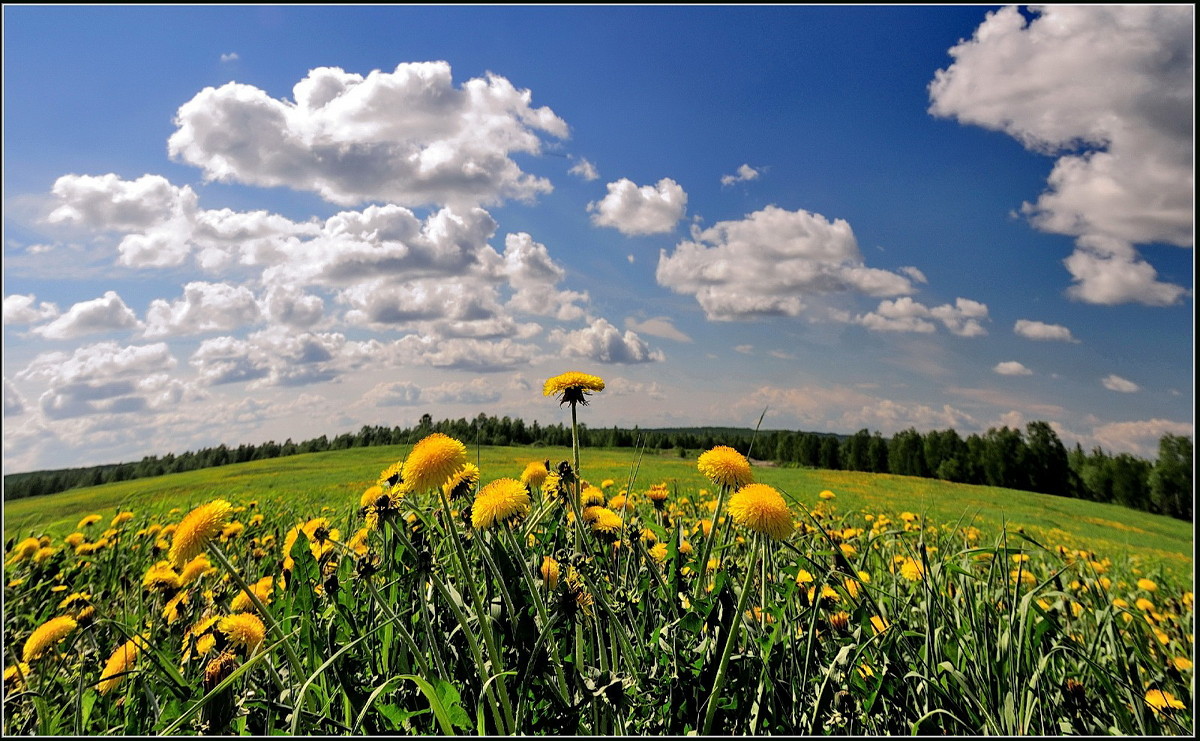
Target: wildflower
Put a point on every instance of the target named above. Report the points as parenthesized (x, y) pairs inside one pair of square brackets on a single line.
[(851, 588), (879, 623), (1147, 585), (572, 387), (75, 600), (847, 549), (1182, 663), (74, 539), (1144, 604), (607, 524), (121, 661), (827, 494), (243, 629), (171, 610), (591, 496), (761, 508), (217, 670), (704, 527), (389, 477), (196, 529), (85, 617), (43, 554), (618, 502), (1159, 700), (725, 466), (261, 588), (433, 461), (14, 676), (803, 577), (912, 569), (839, 621), (120, 519), (500, 501), (25, 549), (659, 552), (685, 547), (461, 483), (200, 634), (194, 569), (161, 578), (865, 670), (47, 635), (88, 521), (648, 536), (549, 572), (535, 473), (232, 530), (658, 496)]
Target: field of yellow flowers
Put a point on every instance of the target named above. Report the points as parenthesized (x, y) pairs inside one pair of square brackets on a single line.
[(460, 601)]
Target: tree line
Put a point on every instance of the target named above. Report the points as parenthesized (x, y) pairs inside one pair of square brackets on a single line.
[(1033, 460)]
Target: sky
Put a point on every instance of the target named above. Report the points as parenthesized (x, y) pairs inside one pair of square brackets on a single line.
[(240, 224)]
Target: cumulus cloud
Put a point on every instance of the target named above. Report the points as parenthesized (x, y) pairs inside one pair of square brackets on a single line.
[(468, 354), (277, 357), (393, 394), (1120, 123), (744, 173), (105, 378), (649, 209), (914, 273), (204, 307), (604, 343), (475, 391), (585, 169), (1012, 368), (659, 326), (1035, 330), (1139, 437), (843, 408), (230, 57), (105, 314), (13, 403), (769, 262), (906, 315), (1113, 382), (408, 136), (19, 309)]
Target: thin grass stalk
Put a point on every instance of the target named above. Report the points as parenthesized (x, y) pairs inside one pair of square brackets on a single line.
[(708, 542), (730, 640)]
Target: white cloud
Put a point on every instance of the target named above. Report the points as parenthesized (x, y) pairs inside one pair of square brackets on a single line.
[(843, 408), (13, 403), (914, 273), (105, 378), (393, 394), (744, 173), (19, 309), (906, 315), (1139, 437), (1120, 123), (1113, 382), (105, 314), (650, 209), (1035, 330), (604, 343), (481, 356), (1012, 368), (744, 349), (659, 326), (278, 357), (230, 57), (204, 307), (407, 136), (475, 391), (585, 170), (769, 262)]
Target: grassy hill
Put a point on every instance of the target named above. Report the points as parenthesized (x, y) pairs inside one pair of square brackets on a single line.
[(304, 484)]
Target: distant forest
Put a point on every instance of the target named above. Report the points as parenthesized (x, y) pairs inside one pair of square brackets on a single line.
[(1032, 460)]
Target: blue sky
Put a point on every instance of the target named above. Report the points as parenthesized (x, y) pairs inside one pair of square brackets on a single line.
[(235, 224)]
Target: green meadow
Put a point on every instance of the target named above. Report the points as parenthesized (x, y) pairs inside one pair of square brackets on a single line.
[(306, 483)]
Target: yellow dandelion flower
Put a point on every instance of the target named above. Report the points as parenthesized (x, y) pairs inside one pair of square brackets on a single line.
[(685, 547), (879, 623), (161, 578), (1160, 700), (390, 476), (88, 521), (74, 539), (865, 670), (121, 661), (262, 588), (761, 508), (827, 494), (839, 621), (851, 588), (1182, 663), (47, 635), (243, 629), (75, 600), (591, 496), (1147, 585), (725, 466), (432, 461), (618, 502), (171, 609), (572, 387), (15, 676), (803, 577), (535, 473), (196, 529), (912, 570), (847, 549), (461, 483), (43, 554), (25, 549), (194, 569), (659, 552), (606, 523), (500, 501), (549, 572), (120, 519), (1144, 604)]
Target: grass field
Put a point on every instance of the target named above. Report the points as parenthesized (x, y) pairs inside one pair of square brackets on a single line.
[(324, 594), (305, 483)]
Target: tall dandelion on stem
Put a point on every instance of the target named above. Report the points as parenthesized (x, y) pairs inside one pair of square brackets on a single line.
[(728, 469), (573, 388)]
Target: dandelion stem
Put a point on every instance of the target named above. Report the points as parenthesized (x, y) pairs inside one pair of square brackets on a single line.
[(730, 640)]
